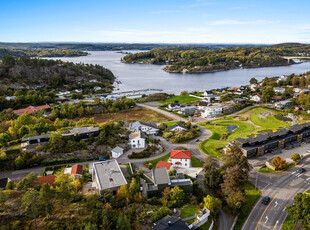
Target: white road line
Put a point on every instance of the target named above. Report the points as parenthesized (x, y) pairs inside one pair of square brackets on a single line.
[(293, 172), (276, 223), (308, 178), (266, 219), (276, 204), (299, 175), (283, 210)]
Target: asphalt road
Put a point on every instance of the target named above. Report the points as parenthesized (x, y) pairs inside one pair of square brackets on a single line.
[(281, 188)]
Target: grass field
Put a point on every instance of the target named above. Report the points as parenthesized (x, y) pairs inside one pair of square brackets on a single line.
[(155, 161), (252, 196), (188, 211), (135, 114), (214, 145), (171, 123), (196, 162), (181, 99)]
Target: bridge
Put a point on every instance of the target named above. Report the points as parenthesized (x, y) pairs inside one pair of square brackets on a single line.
[(296, 57)]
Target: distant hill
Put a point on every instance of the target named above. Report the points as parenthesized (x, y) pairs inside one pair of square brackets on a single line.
[(26, 72)]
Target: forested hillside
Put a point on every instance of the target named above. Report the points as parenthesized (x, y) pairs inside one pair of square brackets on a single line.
[(211, 59), (24, 72)]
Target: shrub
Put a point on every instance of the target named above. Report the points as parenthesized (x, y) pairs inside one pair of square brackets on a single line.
[(295, 157), (282, 118), (279, 163), (160, 213)]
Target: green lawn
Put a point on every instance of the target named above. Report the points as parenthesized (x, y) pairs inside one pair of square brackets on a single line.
[(196, 162), (171, 123), (206, 226), (155, 161), (188, 210), (265, 169), (181, 99), (252, 196)]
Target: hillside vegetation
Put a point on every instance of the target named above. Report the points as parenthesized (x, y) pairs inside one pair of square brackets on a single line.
[(211, 59)]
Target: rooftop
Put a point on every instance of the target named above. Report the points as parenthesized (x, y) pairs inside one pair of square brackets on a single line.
[(30, 109), (109, 174), (77, 169), (170, 223), (180, 154), (164, 164), (136, 134), (46, 179)]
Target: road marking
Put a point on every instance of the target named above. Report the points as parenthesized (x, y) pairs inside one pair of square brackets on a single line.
[(266, 219), (283, 210), (276, 204), (276, 223), (299, 175), (258, 224), (293, 172), (308, 178)]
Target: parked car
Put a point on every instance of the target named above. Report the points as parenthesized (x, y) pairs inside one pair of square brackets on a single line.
[(266, 200), (301, 170), (308, 150), (102, 159), (197, 140)]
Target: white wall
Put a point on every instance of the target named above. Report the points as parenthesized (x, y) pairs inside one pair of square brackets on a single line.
[(184, 162), (137, 143)]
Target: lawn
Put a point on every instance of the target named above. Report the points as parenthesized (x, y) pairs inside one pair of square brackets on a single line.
[(265, 169), (135, 114), (252, 196), (181, 99), (155, 161), (196, 162), (171, 123), (188, 211)]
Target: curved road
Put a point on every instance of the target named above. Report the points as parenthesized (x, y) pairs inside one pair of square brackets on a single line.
[(281, 188)]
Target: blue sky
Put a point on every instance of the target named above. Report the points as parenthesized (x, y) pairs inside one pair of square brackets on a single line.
[(168, 21)]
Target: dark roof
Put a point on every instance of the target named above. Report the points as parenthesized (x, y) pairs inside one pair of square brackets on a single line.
[(3, 182), (279, 132), (241, 140), (203, 103), (296, 128), (36, 137), (170, 223), (209, 92)]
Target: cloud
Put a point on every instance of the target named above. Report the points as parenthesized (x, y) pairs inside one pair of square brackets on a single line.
[(237, 22)]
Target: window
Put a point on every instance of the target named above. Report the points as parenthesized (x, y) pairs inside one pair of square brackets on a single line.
[(185, 164)]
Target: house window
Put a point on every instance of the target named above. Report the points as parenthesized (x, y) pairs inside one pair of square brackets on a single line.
[(185, 164), (133, 141)]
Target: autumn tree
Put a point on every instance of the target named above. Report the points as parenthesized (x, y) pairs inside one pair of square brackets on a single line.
[(64, 186), (134, 187), (295, 157), (122, 195), (279, 163), (212, 204), (177, 196)]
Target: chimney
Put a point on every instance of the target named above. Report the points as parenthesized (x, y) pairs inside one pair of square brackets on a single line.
[(169, 223)]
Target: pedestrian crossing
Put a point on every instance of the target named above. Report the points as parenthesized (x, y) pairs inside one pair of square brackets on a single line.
[(301, 176)]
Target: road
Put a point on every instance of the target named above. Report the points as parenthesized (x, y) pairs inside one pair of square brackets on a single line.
[(281, 188)]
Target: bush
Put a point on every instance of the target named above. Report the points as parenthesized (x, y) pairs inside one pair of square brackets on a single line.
[(160, 213), (282, 118), (279, 163), (295, 157)]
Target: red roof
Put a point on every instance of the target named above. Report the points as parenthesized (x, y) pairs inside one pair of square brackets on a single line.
[(30, 109), (46, 179), (164, 164), (77, 169), (180, 154)]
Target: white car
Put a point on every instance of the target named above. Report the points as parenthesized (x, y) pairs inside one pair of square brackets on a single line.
[(308, 150)]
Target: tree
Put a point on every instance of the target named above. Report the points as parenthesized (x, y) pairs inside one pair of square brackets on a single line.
[(57, 143), (4, 137), (123, 222), (2, 196), (184, 93), (267, 94), (19, 162), (279, 163), (300, 210), (134, 187), (177, 196), (165, 196), (295, 157), (122, 195), (253, 80), (231, 190), (27, 182), (235, 157), (10, 185), (32, 204), (46, 192), (64, 186), (212, 174), (213, 204)]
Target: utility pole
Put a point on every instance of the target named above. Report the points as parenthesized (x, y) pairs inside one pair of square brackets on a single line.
[(256, 181)]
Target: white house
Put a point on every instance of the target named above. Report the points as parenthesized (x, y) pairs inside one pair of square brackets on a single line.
[(76, 171), (93, 80), (96, 88), (282, 78), (212, 111), (181, 158), (78, 90), (63, 93), (117, 152), (253, 87), (148, 128), (279, 90), (9, 98), (211, 98), (256, 98), (137, 140), (174, 107), (177, 127), (208, 93)]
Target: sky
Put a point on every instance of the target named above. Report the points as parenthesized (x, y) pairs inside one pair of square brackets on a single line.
[(155, 21)]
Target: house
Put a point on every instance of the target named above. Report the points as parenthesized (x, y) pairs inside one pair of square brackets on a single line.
[(188, 110), (208, 93), (279, 90), (239, 100), (170, 223), (117, 152), (148, 128), (9, 98), (4, 182), (177, 127), (282, 78), (137, 139), (64, 93), (160, 180), (107, 175), (97, 88), (212, 111), (164, 164), (46, 179), (212, 98), (202, 105), (93, 80), (256, 98), (181, 158), (78, 90), (76, 171), (31, 109), (222, 90), (253, 87), (174, 107)]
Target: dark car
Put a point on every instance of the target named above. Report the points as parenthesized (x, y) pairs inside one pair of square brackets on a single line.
[(301, 170), (266, 200), (197, 140)]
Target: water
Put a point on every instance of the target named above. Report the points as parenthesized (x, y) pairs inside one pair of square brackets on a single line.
[(142, 76), (231, 128)]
